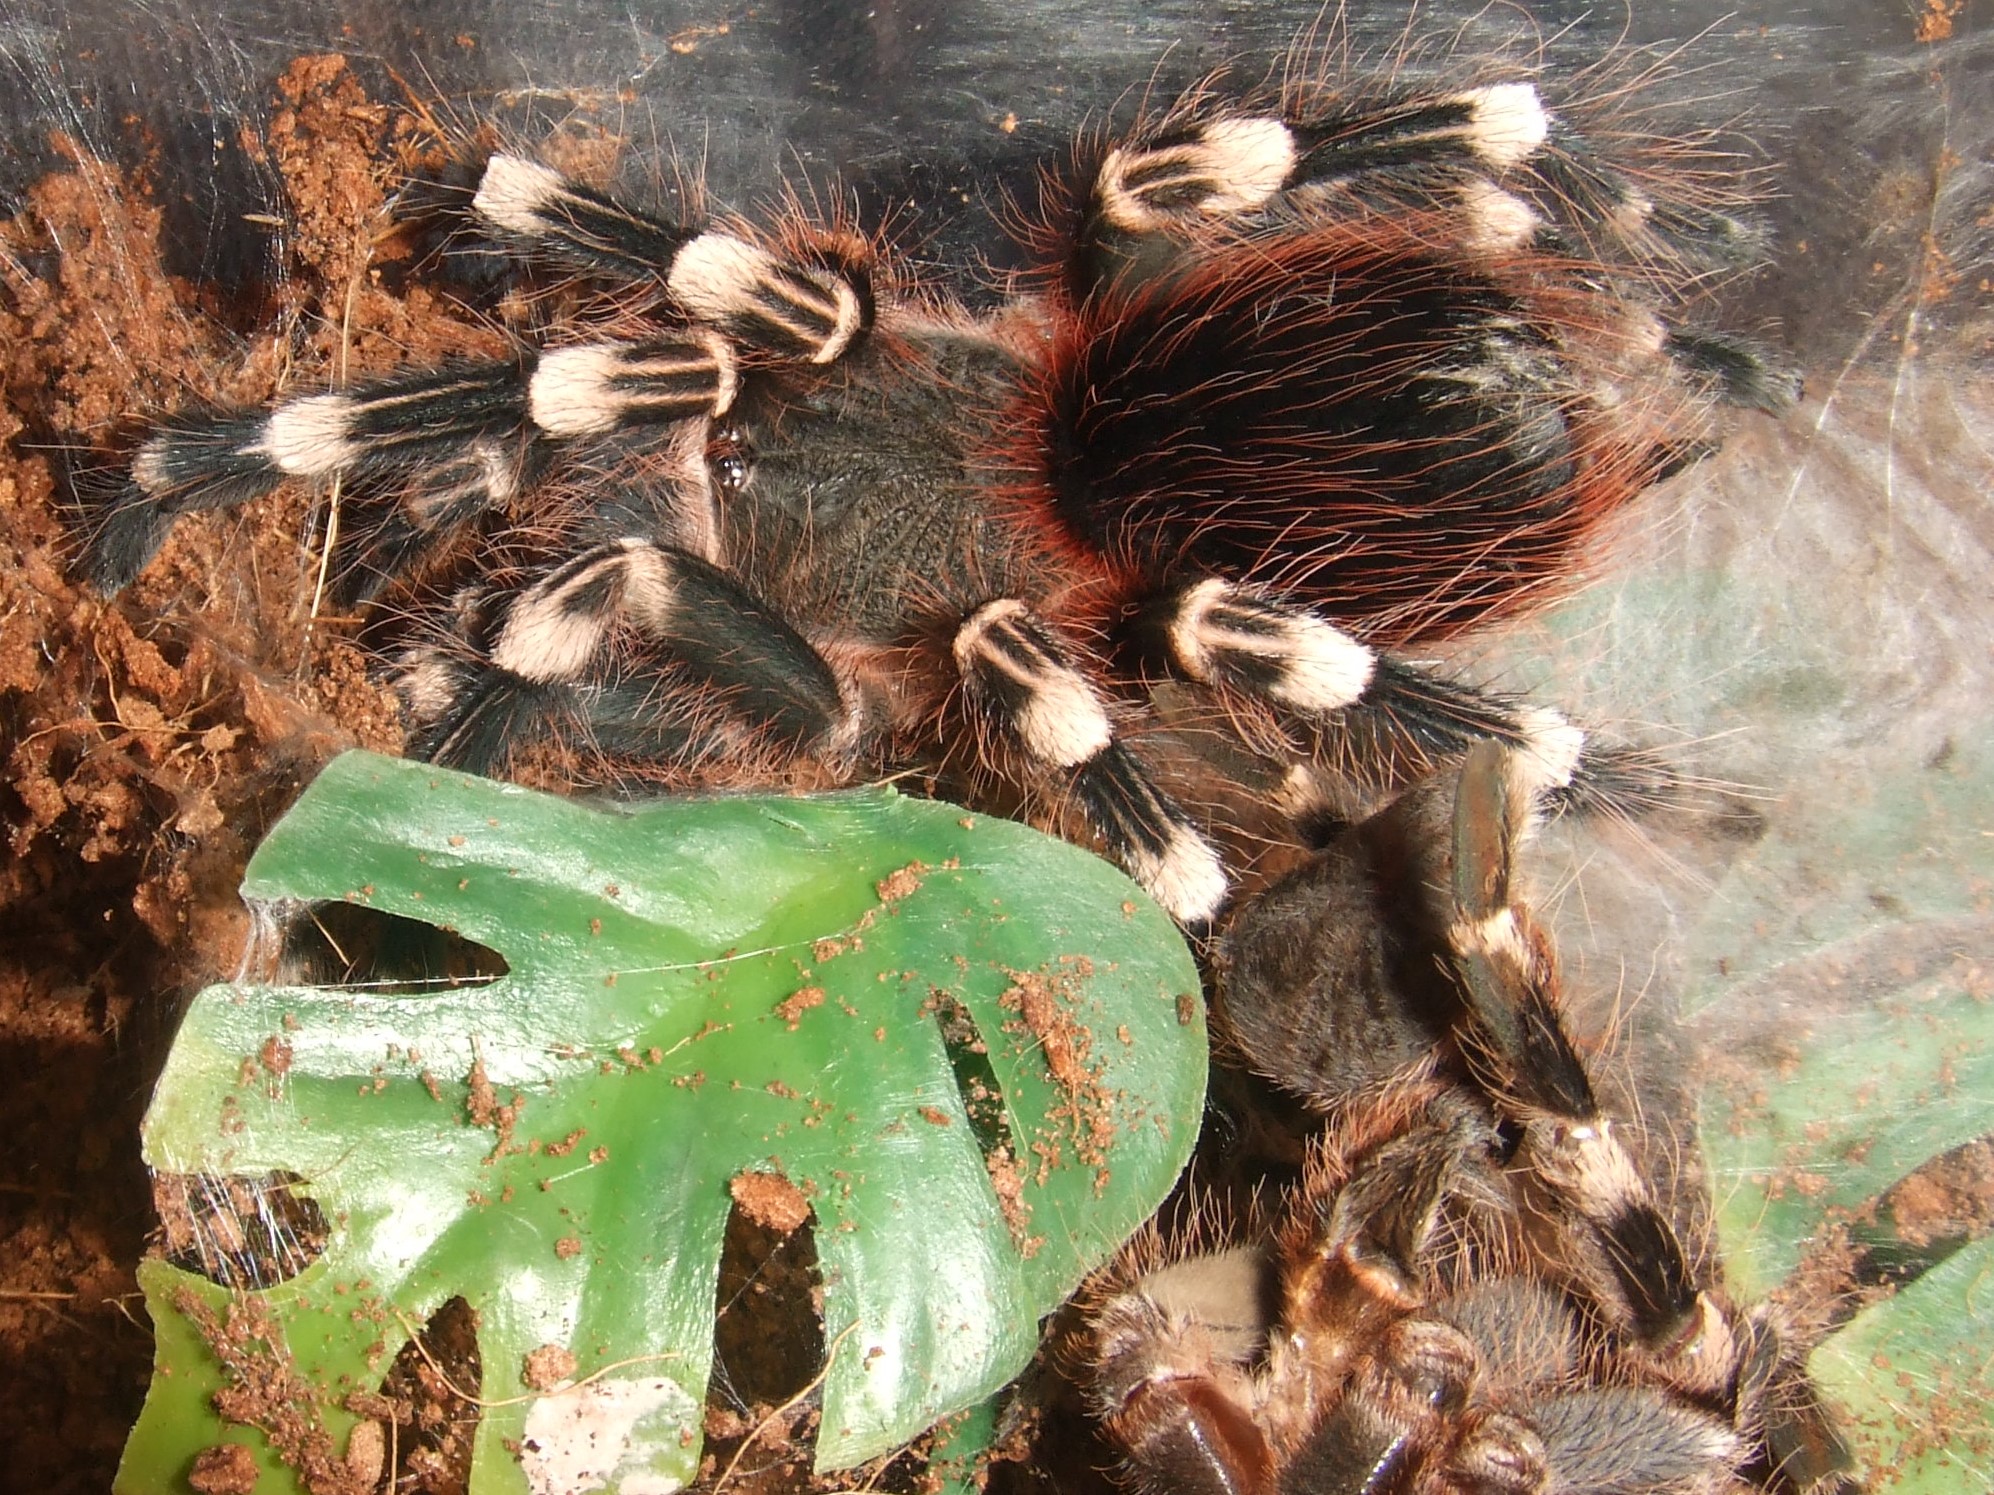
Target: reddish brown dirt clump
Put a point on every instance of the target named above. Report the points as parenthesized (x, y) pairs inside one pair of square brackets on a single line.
[(148, 740)]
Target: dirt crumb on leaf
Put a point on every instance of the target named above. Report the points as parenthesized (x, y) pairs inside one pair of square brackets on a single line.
[(770, 1200), (225, 1469), (547, 1367)]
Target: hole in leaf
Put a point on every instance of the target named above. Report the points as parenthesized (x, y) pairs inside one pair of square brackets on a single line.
[(241, 1231), (983, 1101), (768, 1337), (351, 945), (425, 1405), (1943, 1205), (975, 1080)]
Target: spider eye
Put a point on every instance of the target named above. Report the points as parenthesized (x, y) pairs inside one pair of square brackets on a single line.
[(728, 458)]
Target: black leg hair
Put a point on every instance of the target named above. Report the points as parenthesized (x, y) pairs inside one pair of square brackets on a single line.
[(1737, 369), (1341, 693), (391, 532), (1234, 166), (1587, 200), (1513, 173), (804, 312), (1490, 168), (1021, 688), (649, 651), (1509, 978), (452, 441), (483, 418)]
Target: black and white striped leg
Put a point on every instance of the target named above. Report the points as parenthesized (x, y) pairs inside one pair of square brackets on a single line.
[(811, 313), (1379, 719), (1238, 164), (1490, 167), (646, 651), (1023, 688), (444, 443), (1513, 172), (1509, 978), (1412, 151), (467, 418)]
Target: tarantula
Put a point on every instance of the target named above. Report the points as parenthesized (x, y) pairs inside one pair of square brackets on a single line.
[(1309, 379), (1475, 1289)]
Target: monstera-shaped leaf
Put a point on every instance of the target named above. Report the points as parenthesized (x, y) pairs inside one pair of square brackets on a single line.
[(703, 998)]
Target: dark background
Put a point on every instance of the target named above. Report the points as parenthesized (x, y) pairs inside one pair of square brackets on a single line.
[(903, 102)]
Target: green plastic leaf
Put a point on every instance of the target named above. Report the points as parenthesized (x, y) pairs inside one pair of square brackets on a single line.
[(1854, 1101), (698, 990), (1912, 1376), (1850, 1064)]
